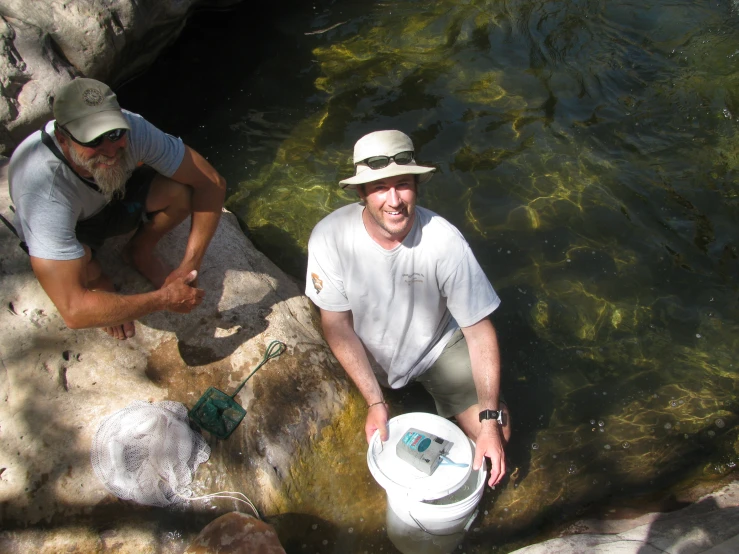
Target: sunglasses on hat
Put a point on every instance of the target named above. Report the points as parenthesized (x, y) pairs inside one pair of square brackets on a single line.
[(113, 136), (378, 162)]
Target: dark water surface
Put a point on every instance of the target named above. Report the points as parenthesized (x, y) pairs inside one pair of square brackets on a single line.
[(588, 150)]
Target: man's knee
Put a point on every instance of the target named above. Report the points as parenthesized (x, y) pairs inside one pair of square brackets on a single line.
[(168, 195), (93, 271), (87, 258)]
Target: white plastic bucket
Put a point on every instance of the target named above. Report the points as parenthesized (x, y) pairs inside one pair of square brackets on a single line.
[(445, 516), (427, 514), (434, 528)]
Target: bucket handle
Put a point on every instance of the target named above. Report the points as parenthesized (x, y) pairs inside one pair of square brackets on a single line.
[(466, 525)]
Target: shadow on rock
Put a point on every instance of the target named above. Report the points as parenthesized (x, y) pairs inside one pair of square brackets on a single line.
[(281, 248), (242, 289)]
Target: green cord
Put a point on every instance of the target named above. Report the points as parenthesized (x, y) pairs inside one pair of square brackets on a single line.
[(274, 349)]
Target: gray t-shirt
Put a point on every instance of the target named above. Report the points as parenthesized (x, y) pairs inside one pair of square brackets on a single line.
[(50, 199), (405, 302)]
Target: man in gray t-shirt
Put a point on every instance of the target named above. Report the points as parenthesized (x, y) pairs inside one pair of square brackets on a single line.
[(403, 298), (98, 171)]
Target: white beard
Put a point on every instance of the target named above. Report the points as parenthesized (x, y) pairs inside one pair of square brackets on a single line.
[(111, 179)]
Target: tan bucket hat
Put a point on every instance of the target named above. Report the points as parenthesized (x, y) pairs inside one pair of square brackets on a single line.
[(88, 108), (384, 144)]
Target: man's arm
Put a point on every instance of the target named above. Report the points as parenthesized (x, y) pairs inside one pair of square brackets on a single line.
[(349, 350), (208, 194), (482, 342), (65, 283)]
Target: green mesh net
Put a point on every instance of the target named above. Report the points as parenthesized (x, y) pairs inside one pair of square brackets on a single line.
[(217, 412)]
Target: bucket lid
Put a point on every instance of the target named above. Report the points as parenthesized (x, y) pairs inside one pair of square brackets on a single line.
[(398, 477)]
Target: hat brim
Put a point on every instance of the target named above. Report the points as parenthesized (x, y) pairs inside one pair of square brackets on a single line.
[(86, 129), (367, 175)]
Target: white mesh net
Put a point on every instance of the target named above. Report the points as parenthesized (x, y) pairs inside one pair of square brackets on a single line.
[(148, 453)]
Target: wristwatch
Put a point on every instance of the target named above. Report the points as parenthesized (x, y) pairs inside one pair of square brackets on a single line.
[(492, 414)]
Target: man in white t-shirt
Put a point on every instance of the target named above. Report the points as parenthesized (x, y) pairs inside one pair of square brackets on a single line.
[(402, 298), (98, 171)]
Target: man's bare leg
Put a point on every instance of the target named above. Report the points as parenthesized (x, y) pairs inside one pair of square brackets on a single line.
[(97, 280), (171, 202)]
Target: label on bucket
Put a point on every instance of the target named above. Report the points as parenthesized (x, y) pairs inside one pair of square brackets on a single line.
[(422, 450)]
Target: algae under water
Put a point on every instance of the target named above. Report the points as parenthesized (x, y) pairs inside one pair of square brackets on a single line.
[(588, 151)]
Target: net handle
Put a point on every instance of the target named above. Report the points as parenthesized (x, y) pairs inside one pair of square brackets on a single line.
[(274, 349)]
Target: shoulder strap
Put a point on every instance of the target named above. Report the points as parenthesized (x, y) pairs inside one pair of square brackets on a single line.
[(46, 139)]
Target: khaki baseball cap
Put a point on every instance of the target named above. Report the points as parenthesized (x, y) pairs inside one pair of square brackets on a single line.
[(88, 108)]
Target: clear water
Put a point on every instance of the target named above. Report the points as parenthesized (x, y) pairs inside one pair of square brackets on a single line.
[(588, 151)]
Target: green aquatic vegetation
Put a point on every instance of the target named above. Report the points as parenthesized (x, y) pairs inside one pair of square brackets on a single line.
[(592, 170), (383, 56), (475, 87), (577, 312), (302, 179)]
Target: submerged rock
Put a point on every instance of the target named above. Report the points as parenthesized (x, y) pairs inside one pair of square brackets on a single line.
[(236, 533)]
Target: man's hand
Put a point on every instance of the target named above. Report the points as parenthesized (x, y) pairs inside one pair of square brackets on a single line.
[(376, 419), (181, 272), (490, 444), (182, 296)]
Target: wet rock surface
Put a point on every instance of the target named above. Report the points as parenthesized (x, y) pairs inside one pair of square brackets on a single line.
[(56, 385), (709, 525)]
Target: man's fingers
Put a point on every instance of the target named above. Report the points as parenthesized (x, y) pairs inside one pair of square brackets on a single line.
[(190, 278), (497, 471), (479, 455), (383, 432), (376, 421), (369, 431)]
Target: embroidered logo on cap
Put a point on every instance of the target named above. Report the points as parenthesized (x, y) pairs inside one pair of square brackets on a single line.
[(92, 97), (317, 283)]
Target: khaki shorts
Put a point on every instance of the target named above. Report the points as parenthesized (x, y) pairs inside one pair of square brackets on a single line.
[(449, 380)]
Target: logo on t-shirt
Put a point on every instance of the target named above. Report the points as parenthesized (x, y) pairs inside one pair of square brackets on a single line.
[(411, 278), (317, 283)]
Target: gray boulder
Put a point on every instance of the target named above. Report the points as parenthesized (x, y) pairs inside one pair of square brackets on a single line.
[(45, 43)]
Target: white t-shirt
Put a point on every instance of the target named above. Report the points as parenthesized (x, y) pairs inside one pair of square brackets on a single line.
[(405, 302), (50, 199)]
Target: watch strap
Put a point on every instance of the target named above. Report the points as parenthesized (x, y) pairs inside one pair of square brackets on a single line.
[(491, 414)]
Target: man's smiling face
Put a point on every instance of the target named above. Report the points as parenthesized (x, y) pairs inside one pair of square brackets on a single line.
[(104, 163), (390, 208)]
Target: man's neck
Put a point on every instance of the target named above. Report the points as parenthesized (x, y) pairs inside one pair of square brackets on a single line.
[(380, 236)]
